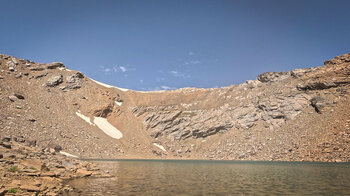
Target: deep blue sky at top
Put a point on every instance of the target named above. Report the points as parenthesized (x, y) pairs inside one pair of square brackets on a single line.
[(147, 45)]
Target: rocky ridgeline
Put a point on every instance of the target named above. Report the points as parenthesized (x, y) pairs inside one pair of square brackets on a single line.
[(26, 169), (40, 71), (279, 116), (280, 97)]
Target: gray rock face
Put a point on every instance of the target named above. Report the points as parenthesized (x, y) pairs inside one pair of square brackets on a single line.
[(276, 110), (54, 81), (321, 85), (177, 124), (273, 76), (300, 72), (12, 64), (316, 86), (74, 81)]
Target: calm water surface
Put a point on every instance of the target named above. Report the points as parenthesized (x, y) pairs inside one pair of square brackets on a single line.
[(149, 177)]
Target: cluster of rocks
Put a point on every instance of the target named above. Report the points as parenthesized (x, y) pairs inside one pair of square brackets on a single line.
[(28, 169), (73, 81)]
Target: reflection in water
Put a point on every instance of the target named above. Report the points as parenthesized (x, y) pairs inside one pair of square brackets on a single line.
[(218, 178)]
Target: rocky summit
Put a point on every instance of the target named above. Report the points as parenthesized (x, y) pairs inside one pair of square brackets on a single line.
[(298, 115)]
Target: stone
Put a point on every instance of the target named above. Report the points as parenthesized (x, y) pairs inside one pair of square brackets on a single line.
[(316, 85), (52, 151), (55, 147), (12, 98), (5, 145), (36, 69), (6, 139), (74, 81), (319, 103), (41, 75), (55, 81), (54, 65), (273, 76), (83, 172), (19, 96), (18, 75), (30, 188), (32, 119)]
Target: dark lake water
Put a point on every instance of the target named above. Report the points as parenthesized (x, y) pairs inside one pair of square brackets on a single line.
[(150, 177)]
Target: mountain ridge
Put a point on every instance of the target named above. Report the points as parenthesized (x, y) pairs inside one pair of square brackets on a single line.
[(275, 117)]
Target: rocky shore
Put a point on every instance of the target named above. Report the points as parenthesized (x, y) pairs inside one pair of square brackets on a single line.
[(26, 169)]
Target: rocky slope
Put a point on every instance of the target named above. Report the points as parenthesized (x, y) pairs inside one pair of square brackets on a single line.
[(299, 115), (29, 170)]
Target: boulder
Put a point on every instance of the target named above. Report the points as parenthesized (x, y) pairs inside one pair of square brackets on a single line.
[(54, 65), (12, 64), (74, 81), (54, 81), (319, 103), (55, 147), (83, 173)]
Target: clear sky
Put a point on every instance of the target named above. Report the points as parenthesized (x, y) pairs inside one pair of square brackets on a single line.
[(151, 45)]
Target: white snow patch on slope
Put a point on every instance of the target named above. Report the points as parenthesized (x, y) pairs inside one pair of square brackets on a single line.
[(124, 89), (82, 116), (118, 103), (109, 86), (68, 155), (108, 128), (159, 146)]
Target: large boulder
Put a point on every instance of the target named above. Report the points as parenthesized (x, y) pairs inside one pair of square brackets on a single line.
[(74, 81), (54, 81)]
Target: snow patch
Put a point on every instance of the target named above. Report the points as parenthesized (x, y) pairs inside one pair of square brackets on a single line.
[(124, 89), (68, 155), (108, 128), (118, 103), (109, 86), (160, 91), (159, 146), (82, 116)]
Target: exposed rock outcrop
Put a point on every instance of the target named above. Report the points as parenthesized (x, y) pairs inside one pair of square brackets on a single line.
[(273, 76), (54, 81)]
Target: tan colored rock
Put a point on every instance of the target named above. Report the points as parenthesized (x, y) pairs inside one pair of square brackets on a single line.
[(83, 172), (31, 188)]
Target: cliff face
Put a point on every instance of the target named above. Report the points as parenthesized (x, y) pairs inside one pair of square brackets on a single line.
[(296, 115)]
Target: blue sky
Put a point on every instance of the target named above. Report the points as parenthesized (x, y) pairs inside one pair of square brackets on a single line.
[(151, 45)]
